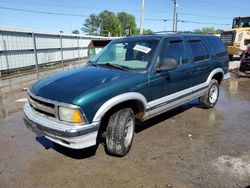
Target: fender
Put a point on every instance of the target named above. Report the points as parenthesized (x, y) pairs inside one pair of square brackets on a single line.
[(211, 75), (215, 71), (117, 100)]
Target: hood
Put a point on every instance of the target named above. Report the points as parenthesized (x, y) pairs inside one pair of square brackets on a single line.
[(68, 85)]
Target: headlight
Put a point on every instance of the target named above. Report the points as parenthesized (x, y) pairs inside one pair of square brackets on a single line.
[(70, 115)]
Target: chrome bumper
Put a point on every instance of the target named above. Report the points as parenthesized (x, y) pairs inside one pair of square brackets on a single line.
[(71, 136)]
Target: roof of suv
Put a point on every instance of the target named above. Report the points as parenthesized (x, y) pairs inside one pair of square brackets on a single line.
[(160, 36)]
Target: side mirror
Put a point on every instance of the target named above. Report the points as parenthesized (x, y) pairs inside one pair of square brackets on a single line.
[(168, 64)]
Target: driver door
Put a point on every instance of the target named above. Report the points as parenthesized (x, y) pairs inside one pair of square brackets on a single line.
[(165, 84)]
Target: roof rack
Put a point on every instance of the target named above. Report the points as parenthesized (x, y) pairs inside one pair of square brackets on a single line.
[(179, 32), (172, 32)]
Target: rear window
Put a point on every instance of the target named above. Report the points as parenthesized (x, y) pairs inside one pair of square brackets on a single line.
[(199, 51), (217, 46)]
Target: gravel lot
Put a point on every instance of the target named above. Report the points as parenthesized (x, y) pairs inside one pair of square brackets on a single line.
[(186, 147)]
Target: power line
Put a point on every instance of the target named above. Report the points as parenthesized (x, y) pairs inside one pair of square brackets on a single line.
[(218, 4), (43, 12), (158, 19), (212, 4), (185, 21), (196, 22), (205, 16), (79, 15)]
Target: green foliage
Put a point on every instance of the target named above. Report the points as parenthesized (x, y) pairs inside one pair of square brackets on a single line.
[(206, 30), (127, 21), (145, 31), (76, 31), (109, 24), (91, 25)]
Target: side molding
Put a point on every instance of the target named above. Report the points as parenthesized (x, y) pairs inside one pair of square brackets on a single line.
[(186, 91), (137, 96), (117, 100)]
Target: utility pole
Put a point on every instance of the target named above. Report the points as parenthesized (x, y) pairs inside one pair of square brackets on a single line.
[(174, 17), (176, 21), (142, 17)]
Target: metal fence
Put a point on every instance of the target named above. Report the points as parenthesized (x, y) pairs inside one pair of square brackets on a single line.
[(22, 48)]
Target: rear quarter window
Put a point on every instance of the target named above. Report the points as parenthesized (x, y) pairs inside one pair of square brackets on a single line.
[(199, 50), (217, 46)]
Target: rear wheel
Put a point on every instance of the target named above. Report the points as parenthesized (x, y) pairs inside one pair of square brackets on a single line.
[(210, 98), (120, 132)]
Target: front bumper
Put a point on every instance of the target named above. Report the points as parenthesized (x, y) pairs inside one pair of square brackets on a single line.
[(71, 136)]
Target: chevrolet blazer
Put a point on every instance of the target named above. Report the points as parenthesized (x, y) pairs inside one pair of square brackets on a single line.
[(132, 78)]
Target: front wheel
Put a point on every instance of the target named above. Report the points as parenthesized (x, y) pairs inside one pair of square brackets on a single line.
[(210, 98), (120, 132)]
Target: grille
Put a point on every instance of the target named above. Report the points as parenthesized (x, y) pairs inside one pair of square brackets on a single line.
[(42, 107), (227, 37)]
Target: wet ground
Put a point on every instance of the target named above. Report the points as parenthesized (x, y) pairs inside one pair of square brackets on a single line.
[(187, 147)]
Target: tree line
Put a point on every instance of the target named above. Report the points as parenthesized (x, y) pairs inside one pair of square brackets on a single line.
[(107, 23)]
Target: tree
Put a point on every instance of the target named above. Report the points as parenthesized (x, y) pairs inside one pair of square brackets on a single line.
[(109, 24), (206, 30), (145, 31), (127, 21), (76, 31), (91, 25)]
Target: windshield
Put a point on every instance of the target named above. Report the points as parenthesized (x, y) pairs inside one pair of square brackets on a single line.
[(241, 22), (134, 55)]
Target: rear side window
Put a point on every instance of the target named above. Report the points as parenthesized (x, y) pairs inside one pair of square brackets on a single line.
[(174, 49), (199, 51), (217, 46)]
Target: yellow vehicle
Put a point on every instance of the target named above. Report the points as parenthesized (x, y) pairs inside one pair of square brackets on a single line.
[(238, 37)]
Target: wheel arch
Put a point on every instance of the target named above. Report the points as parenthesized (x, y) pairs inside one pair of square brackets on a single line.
[(133, 99), (219, 77), (217, 74)]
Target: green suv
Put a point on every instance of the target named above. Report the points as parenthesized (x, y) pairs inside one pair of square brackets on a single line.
[(132, 78)]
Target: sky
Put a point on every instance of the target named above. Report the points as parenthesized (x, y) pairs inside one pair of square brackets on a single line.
[(192, 14)]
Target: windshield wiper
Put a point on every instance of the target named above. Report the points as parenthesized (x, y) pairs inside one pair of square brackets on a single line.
[(92, 63), (114, 66)]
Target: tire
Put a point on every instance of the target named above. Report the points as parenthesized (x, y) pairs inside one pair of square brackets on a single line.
[(120, 132), (210, 98), (231, 57), (243, 66)]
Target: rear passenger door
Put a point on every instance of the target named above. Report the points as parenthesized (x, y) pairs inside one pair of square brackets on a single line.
[(202, 65)]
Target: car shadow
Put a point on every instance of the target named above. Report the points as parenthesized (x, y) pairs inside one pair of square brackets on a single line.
[(141, 126), (72, 153)]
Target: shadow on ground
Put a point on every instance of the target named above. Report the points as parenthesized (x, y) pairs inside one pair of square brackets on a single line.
[(89, 152), (167, 115), (72, 153)]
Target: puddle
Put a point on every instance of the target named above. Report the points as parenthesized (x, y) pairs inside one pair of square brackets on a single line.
[(238, 167)]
